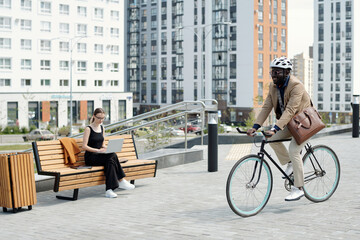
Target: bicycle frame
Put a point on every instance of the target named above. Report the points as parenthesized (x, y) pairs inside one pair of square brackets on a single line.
[(263, 153)]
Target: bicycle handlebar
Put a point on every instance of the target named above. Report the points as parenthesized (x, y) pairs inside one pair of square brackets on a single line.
[(262, 133)]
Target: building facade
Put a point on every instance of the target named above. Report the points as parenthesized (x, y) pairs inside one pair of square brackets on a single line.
[(53, 53), (203, 49), (336, 55), (303, 70)]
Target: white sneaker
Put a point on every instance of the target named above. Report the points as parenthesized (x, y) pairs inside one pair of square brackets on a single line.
[(288, 170), (295, 194), (110, 194), (126, 185)]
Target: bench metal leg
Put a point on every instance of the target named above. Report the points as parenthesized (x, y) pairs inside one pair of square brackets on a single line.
[(74, 198), (132, 181)]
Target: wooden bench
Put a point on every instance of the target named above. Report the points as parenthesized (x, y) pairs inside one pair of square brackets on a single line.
[(49, 158)]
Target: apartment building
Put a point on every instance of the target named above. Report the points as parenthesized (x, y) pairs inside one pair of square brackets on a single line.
[(53, 53), (303, 70), (336, 56), (203, 49)]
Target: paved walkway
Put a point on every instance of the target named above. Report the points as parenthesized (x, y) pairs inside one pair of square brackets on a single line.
[(187, 202)]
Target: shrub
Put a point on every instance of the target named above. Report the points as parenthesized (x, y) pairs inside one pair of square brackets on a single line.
[(24, 130), (64, 131)]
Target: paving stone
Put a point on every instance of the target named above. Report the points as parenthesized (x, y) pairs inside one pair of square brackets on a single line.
[(187, 202)]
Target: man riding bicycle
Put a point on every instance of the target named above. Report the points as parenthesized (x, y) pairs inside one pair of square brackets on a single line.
[(287, 96)]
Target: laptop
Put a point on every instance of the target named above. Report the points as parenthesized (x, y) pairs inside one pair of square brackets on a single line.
[(114, 145)]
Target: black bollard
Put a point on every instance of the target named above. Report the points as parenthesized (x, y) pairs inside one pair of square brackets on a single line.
[(355, 107), (212, 142)]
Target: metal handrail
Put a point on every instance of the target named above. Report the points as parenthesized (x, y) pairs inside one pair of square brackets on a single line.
[(188, 107)]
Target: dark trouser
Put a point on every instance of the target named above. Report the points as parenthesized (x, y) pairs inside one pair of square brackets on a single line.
[(112, 169)]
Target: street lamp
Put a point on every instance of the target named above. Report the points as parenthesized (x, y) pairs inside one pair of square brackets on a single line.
[(72, 42), (201, 72)]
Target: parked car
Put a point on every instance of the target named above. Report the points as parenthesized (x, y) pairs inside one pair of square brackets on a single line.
[(176, 132), (39, 134), (226, 128), (192, 128)]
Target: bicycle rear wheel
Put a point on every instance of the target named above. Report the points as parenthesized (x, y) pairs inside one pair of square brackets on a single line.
[(244, 196), (321, 173)]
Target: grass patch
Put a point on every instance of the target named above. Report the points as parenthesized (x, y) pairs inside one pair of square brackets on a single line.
[(15, 147)]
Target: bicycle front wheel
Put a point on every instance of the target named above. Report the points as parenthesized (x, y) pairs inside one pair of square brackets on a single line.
[(321, 173), (249, 186)]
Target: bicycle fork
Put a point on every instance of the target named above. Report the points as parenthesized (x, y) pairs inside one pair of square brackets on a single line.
[(313, 159), (250, 184)]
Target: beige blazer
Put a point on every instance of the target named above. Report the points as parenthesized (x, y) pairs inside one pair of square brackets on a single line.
[(295, 100)]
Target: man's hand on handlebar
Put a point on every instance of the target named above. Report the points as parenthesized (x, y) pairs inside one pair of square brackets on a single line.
[(251, 132), (269, 134)]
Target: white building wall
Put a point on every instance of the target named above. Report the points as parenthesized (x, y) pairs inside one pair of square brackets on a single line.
[(329, 102), (356, 48), (23, 94), (245, 54)]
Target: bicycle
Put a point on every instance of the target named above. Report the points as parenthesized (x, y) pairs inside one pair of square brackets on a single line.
[(249, 186)]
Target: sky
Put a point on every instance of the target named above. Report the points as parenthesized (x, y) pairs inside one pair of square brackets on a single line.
[(300, 26)]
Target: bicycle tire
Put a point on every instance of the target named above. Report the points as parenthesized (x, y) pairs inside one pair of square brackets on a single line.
[(243, 199), (320, 185)]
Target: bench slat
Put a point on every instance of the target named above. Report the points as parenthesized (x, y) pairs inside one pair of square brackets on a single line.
[(51, 158)]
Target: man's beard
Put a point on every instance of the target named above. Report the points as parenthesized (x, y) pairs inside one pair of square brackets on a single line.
[(279, 81)]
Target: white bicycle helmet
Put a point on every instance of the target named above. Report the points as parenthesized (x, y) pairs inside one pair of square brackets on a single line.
[(281, 62)]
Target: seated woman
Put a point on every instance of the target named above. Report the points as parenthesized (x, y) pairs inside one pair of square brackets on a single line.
[(94, 146)]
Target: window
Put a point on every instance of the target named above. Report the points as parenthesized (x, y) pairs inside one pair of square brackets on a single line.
[(260, 95), (64, 82), (26, 5), (25, 44), (45, 65), (5, 23), (114, 67), (81, 11), (98, 66), (5, 43), (12, 113), (81, 82), (64, 65), (122, 110), (114, 83), (45, 82), (348, 9), (5, 63), (45, 45), (81, 29), (114, 49), (98, 31), (64, 46), (98, 13), (64, 9), (114, 15), (5, 82), (260, 44), (25, 25), (64, 27), (98, 83), (25, 64), (25, 82), (45, 26), (99, 48), (81, 66), (106, 105), (114, 32), (81, 47), (45, 7), (5, 4)]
